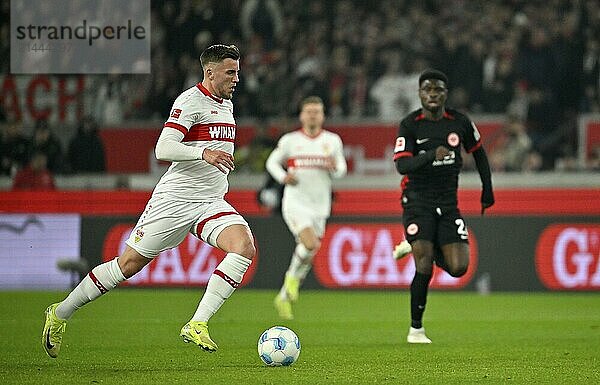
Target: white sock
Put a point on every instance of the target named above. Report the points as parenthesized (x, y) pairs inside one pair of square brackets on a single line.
[(301, 262), (100, 280), (223, 281), (300, 265)]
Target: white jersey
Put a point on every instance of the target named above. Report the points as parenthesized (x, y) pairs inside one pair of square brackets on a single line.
[(307, 158), (206, 122)]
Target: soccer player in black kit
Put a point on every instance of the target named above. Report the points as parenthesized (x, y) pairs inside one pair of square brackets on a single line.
[(428, 154)]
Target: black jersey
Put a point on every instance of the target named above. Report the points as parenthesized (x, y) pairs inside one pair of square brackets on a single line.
[(437, 181)]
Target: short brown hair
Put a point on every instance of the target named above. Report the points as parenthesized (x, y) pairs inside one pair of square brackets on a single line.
[(311, 100), (219, 52)]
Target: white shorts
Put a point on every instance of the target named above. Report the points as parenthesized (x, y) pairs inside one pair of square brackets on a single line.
[(165, 223), (299, 218)]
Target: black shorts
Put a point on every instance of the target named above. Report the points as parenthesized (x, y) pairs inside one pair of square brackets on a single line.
[(440, 225)]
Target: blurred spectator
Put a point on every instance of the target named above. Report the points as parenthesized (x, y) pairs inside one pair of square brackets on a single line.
[(544, 125), (338, 83), (44, 141), (516, 146), (263, 18), (473, 65), (14, 148), (499, 81), (387, 91), (591, 68), (111, 100), (165, 85), (35, 176), (569, 49), (191, 70), (536, 63), (410, 84), (358, 92), (86, 150)]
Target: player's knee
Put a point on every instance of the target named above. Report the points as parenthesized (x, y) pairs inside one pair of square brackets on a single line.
[(313, 246), (245, 247), (424, 264), (458, 270)]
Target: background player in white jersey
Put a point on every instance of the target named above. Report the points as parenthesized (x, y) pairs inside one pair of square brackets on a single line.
[(198, 138), (311, 156)]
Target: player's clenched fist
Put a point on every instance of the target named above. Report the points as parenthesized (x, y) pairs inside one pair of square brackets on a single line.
[(220, 159)]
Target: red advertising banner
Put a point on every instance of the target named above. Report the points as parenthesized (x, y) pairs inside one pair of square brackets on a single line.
[(567, 256), (347, 202), (98, 202), (189, 264), (359, 255)]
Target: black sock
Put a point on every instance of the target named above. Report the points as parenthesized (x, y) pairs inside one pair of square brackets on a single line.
[(418, 298)]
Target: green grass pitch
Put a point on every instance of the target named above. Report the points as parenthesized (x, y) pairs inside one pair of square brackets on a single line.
[(132, 337)]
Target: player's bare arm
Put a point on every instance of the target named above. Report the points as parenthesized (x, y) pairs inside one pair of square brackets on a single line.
[(220, 159)]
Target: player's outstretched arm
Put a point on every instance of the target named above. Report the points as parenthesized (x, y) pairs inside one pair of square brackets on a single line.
[(483, 167)]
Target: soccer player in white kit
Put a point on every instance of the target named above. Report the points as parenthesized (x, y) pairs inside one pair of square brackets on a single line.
[(311, 157), (198, 137)]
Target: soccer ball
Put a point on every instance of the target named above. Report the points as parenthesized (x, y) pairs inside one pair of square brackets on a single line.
[(278, 346)]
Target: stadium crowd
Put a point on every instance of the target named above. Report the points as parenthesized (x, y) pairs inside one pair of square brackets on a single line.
[(535, 62)]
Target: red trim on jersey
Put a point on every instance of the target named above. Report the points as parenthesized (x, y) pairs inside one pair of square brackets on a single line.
[(448, 116), (207, 93), (475, 147), (404, 182), (200, 226), (226, 278), (224, 132), (307, 135), (98, 284), (402, 154), (176, 126)]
